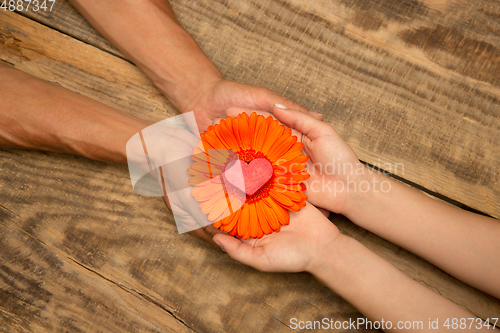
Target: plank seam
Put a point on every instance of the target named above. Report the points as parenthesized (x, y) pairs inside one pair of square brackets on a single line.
[(75, 37), (411, 183), (426, 190), (462, 305), (8, 210), (135, 293)]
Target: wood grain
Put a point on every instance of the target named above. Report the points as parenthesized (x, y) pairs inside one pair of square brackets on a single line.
[(66, 19), (80, 236), (34, 49), (406, 82), (111, 260), (82, 252), (390, 99), (43, 289)]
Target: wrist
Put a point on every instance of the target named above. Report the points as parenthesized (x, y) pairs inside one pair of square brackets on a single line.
[(335, 260), (341, 192), (184, 95), (366, 188), (186, 79), (108, 137)]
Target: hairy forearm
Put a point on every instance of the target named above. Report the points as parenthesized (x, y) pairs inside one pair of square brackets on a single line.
[(40, 115), (462, 243), (149, 34), (379, 290)]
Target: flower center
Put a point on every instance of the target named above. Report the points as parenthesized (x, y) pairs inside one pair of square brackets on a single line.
[(247, 156)]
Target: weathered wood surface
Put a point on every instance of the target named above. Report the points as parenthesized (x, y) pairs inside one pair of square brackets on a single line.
[(60, 59), (112, 261), (81, 252), (412, 82), (66, 19)]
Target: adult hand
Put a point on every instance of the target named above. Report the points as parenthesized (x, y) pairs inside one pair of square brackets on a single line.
[(211, 101), (156, 42)]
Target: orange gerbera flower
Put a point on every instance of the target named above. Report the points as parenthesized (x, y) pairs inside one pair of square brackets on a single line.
[(248, 172)]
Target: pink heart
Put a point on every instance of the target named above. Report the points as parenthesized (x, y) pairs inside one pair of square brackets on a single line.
[(251, 177)]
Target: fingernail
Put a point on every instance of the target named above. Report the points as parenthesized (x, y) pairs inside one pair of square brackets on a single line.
[(281, 106), (216, 242), (314, 113)]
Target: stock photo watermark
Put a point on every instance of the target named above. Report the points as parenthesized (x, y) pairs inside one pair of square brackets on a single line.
[(337, 177), (416, 325), (168, 159)]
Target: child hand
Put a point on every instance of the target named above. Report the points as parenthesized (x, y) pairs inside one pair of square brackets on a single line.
[(297, 247), (332, 164)]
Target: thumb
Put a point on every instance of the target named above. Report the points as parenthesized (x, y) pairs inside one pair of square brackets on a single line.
[(307, 124), (238, 250)]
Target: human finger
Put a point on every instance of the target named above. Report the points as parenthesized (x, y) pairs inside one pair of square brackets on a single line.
[(307, 124)]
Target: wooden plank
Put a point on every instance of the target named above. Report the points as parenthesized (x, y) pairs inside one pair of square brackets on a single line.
[(89, 232), (34, 49), (413, 86), (83, 250), (86, 211), (66, 19), (42, 288)]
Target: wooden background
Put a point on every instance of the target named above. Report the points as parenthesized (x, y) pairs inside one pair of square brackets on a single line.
[(411, 82)]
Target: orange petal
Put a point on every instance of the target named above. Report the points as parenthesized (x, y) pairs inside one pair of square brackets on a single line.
[(199, 168), (292, 178), (198, 179), (294, 208), (254, 221), (281, 198), (252, 124), (246, 133), (206, 142), (200, 146), (260, 133), (294, 196), (247, 234), (262, 220), (236, 132), (300, 159), (273, 133), (215, 141), (208, 188), (281, 146), (225, 213), (233, 231), (281, 213), (197, 149), (287, 187), (264, 210), (290, 155), (225, 134), (236, 200), (244, 223), (234, 220), (212, 200)]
